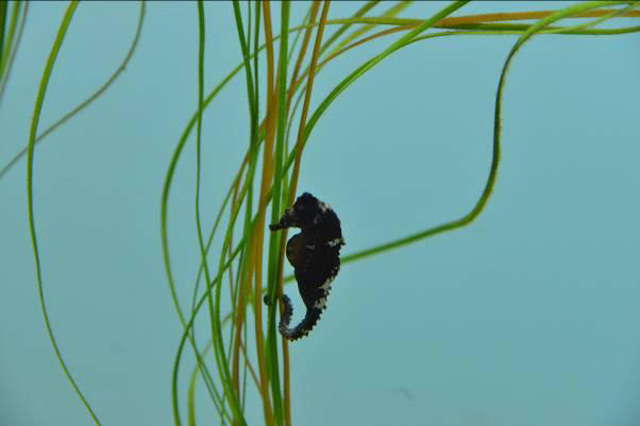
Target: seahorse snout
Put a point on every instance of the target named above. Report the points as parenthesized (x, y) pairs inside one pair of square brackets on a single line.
[(287, 220)]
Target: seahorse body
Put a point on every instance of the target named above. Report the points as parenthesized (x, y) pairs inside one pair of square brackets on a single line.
[(314, 254)]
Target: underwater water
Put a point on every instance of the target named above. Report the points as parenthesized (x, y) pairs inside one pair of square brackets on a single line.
[(529, 316)]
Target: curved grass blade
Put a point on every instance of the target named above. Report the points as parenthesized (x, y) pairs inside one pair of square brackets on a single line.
[(64, 25), (480, 204)]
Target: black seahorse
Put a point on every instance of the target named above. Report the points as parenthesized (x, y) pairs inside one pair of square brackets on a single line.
[(314, 254)]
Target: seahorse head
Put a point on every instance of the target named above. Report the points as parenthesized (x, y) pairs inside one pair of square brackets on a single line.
[(303, 214)]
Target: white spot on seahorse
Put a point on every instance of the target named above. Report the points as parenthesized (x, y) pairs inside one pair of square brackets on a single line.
[(320, 303), (326, 286), (336, 242)]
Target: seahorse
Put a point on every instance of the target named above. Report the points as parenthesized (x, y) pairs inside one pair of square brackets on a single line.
[(314, 254)]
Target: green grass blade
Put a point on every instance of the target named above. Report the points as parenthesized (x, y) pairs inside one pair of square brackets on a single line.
[(201, 48), (274, 238), (7, 42), (57, 44), (8, 66), (3, 23)]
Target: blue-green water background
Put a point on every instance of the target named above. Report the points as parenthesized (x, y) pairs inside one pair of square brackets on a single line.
[(528, 317)]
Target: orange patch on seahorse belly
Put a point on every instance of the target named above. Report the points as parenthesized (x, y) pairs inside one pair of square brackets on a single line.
[(296, 253)]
